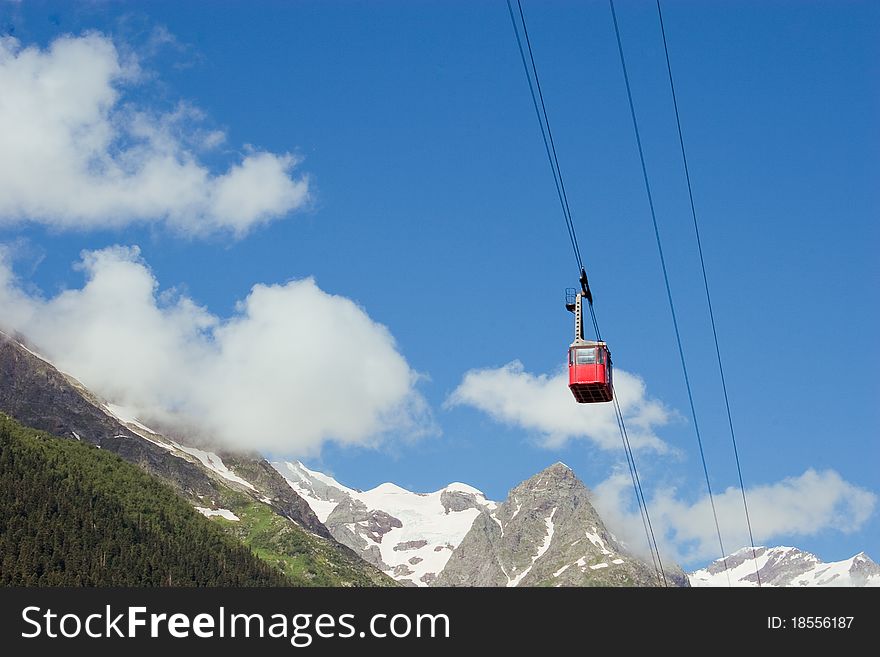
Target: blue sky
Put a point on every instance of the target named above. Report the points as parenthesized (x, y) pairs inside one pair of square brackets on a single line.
[(431, 205)]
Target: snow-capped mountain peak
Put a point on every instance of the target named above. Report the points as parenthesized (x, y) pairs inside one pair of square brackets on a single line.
[(408, 535), (786, 566), (546, 533)]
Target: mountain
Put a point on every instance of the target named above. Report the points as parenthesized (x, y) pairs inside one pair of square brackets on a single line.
[(547, 533), (241, 492), (787, 566), (75, 515), (409, 536)]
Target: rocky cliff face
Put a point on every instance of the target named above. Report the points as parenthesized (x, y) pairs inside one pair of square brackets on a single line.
[(787, 566), (547, 533)]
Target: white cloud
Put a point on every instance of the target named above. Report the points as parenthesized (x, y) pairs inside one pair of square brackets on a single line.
[(75, 153), (805, 505), (543, 404), (292, 368)]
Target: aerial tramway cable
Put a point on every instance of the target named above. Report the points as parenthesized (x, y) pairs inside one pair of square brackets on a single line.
[(668, 287), (706, 287), (640, 496), (550, 147)]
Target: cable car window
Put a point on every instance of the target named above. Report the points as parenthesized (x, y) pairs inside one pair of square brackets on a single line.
[(586, 356), (601, 357)]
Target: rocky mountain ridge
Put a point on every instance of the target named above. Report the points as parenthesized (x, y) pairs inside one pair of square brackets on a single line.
[(547, 533)]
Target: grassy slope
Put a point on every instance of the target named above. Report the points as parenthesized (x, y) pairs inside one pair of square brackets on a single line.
[(308, 560)]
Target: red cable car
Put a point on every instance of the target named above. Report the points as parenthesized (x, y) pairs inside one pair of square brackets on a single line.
[(589, 362), (589, 372)]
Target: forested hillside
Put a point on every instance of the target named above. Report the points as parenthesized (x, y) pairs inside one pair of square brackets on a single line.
[(73, 514)]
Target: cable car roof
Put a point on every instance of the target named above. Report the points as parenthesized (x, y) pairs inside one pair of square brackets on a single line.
[(588, 343)]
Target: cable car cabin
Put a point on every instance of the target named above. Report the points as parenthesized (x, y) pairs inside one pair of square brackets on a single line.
[(589, 372)]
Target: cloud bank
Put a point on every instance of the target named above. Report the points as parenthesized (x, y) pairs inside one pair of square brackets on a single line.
[(805, 505), (292, 368), (542, 404), (75, 153)]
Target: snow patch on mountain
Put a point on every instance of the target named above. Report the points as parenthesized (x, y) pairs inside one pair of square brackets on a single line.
[(214, 463), (518, 508), (322, 508), (128, 417), (598, 541), (562, 570), (306, 475), (223, 513), (210, 460)]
